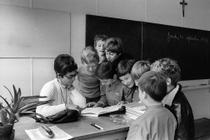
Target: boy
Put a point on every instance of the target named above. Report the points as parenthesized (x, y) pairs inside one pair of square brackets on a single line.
[(124, 75), (87, 83), (138, 69), (114, 51), (61, 90), (99, 42), (175, 99), (112, 90), (157, 123)]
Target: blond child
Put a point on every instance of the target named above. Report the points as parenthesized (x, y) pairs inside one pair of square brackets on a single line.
[(86, 82), (139, 68), (99, 45)]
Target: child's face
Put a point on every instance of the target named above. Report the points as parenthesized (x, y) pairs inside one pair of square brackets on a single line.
[(100, 46), (111, 56), (127, 80), (91, 67)]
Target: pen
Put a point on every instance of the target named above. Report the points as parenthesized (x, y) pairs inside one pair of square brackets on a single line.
[(45, 130), (97, 126)]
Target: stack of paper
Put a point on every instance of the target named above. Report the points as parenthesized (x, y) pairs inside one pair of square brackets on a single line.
[(134, 110)]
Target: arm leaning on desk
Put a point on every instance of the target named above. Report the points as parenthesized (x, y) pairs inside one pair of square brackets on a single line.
[(79, 130)]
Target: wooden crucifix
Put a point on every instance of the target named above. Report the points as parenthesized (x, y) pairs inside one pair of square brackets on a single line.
[(183, 3)]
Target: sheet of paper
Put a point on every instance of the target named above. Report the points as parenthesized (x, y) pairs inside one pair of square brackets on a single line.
[(35, 134)]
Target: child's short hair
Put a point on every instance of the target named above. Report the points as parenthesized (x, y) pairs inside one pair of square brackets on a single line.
[(154, 84), (169, 67), (89, 55), (124, 67), (104, 71), (63, 64), (99, 37), (139, 68), (114, 44)]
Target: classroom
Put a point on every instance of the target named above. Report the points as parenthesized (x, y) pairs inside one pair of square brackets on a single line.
[(34, 32)]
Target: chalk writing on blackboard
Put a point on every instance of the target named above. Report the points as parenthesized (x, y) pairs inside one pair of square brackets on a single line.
[(177, 36)]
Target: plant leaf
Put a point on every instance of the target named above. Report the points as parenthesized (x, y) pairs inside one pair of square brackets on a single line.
[(11, 113), (9, 92), (15, 95), (7, 104)]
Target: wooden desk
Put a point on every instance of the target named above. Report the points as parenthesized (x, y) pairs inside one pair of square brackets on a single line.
[(80, 130)]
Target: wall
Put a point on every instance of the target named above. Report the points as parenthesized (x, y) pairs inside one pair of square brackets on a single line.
[(29, 41), (169, 12)]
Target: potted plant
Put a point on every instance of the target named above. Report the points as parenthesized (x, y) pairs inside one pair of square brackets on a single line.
[(19, 106)]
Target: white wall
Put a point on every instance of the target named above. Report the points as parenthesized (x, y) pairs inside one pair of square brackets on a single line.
[(37, 70), (30, 39)]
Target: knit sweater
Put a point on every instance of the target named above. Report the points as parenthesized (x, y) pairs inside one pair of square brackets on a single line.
[(87, 84), (60, 95)]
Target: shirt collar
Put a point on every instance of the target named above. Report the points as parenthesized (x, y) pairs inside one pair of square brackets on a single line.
[(168, 99)]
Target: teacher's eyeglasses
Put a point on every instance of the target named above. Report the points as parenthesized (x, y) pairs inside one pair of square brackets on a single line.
[(70, 76)]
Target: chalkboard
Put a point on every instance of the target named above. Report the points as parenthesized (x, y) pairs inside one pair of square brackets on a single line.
[(149, 41), (189, 47)]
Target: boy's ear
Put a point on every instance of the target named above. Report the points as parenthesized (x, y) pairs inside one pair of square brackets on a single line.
[(168, 81)]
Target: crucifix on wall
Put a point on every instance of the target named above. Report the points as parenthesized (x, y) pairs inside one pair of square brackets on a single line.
[(183, 3)]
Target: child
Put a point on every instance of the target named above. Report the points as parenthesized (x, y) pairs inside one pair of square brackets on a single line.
[(124, 75), (112, 90), (157, 123), (138, 69), (114, 52), (87, 83), (60, 90), (175, 99), (99, 42)]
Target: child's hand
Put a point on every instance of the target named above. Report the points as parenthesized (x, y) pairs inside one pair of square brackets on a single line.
[(91, 104)]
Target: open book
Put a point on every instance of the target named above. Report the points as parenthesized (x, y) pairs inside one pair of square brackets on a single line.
[(100, 111)]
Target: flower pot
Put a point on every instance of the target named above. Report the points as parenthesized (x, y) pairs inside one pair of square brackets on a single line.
[(7, 132)]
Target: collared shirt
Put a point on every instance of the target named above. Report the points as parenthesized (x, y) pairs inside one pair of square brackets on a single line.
[(168, 99)]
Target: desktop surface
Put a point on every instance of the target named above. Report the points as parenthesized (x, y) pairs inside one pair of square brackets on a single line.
[(79, 130)]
